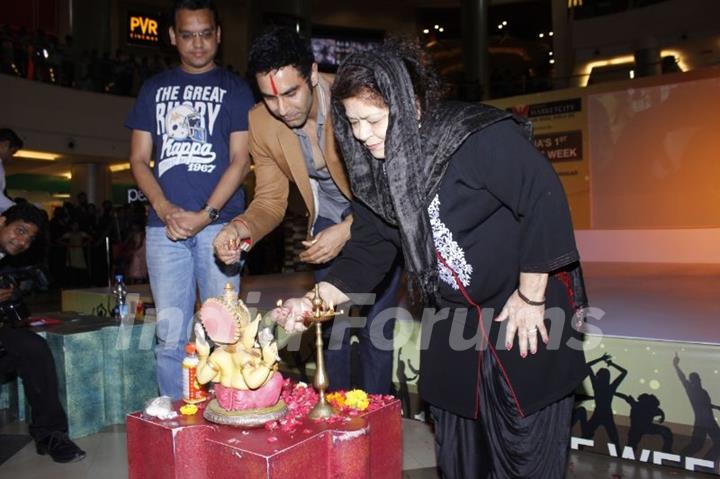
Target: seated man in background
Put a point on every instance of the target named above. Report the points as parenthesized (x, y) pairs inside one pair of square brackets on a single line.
[(24, 352)]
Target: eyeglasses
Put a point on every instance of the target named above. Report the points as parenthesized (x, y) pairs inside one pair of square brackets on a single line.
[(204, 35)]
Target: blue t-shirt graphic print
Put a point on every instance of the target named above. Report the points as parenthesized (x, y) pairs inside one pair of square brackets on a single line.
[(191, 117)]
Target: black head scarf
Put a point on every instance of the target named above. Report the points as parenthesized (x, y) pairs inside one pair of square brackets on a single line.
[(417, 153)]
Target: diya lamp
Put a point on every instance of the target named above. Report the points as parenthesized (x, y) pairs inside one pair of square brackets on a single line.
[(319, 315)]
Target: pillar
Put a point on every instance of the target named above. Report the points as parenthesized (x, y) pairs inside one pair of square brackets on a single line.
[(562, 44), (93, 179), (476, 85)]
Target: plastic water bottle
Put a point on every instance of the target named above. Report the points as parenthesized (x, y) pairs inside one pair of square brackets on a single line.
[(120, 311)]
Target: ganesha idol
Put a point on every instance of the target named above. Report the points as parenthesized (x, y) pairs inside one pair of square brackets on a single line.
[(243, 366)]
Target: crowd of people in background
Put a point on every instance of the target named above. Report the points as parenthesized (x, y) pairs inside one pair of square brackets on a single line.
[(74, 252), (39, 56), (82, 238), (85, 245)]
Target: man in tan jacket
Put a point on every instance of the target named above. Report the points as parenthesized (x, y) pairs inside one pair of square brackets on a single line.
[(291, 139)]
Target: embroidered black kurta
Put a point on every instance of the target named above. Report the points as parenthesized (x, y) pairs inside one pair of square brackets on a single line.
[(500, 210)]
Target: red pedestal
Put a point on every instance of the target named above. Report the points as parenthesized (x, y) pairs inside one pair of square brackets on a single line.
[(188, 447)]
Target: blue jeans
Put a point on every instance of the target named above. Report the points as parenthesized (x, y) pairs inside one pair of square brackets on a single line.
[(177, 270), (375, 343)]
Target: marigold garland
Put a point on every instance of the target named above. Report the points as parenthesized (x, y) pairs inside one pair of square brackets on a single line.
[(357, 399), (300, 398)]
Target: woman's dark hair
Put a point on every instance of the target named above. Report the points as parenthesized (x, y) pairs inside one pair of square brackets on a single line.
[(358, 81), (280, 47), (194, 5)]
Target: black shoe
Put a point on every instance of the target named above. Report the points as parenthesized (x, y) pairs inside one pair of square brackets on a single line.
[(60, 448)]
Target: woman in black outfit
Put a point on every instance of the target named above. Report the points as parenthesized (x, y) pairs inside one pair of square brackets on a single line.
[(483, 225)]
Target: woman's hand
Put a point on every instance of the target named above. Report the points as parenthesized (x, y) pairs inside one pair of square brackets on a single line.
[(292, 313), (524, 320)]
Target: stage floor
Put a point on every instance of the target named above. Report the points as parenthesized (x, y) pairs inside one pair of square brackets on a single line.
[(655, 301), (665, 302)]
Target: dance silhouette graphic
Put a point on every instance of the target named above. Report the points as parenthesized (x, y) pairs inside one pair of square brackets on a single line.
[(643, 411), (403, 392), (705, 424), (603, 393)]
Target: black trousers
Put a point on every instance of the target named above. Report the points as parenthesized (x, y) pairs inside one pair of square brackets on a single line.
[(28, 355), (501, 444)]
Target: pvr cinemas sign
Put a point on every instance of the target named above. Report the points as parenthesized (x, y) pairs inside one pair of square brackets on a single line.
[(143, 29)]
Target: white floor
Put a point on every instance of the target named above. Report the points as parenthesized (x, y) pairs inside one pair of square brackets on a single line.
[(676, 302)]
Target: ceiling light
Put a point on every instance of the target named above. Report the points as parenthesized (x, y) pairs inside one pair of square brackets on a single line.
[(436, 27), (426, 31), (441, 29), (632, 74), (552, 61), (541, 35), (588, 68), (119, 167), (550, 34), (36, 155), (504, 22), (679, 57), (500, 26), (550, 53)]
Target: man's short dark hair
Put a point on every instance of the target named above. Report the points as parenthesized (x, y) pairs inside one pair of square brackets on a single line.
[(6, 134), (27, 213), (280, 47), (194, 5)]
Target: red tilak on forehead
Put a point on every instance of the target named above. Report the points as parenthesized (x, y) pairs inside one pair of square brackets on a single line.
[(272, 84)]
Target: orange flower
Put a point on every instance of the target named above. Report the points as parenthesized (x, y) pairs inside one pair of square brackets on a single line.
[(337, 399)]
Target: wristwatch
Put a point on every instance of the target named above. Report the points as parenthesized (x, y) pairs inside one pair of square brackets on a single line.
[(213, 213)]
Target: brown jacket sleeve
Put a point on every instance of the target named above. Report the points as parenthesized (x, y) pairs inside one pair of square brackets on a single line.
[(268, 206)]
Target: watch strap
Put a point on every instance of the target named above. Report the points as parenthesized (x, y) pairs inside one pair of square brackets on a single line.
[(213, 213)]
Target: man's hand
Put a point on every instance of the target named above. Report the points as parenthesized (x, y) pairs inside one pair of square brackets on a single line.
[(165, 209), (227, 242), (185, 224), (6, 294), (327, 244)]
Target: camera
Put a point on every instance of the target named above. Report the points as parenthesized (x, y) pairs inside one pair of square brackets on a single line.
[(23, 280)]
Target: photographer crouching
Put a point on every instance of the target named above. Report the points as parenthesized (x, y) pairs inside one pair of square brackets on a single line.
[(26, 353)]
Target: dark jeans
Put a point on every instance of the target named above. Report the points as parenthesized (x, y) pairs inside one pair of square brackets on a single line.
[(375, 343), (29, 356)]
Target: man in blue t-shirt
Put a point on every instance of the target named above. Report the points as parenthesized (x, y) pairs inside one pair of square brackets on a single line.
[(193, 121)]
